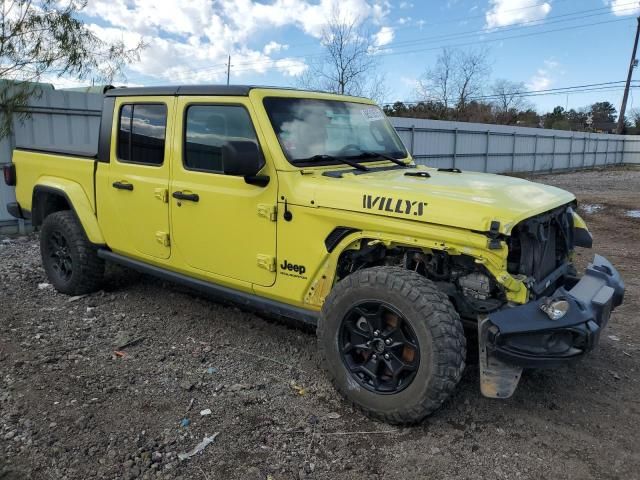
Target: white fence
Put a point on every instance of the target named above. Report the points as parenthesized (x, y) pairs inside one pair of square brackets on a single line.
[(503, 149)]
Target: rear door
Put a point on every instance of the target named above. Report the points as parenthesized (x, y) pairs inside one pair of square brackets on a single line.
[(136, 219), (221, 225)]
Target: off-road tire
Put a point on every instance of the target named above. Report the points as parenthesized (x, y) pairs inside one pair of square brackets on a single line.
[(436, 324), (87, 269)]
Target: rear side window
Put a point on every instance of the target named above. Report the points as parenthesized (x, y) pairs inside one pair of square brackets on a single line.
[(141, 133), (208, 128)]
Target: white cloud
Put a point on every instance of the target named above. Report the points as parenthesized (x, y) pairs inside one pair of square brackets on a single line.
[(273, 47), (383, 37), (309, 17), (620, 8), (291, 67), (507, 12), (544, 77), (189, 41)]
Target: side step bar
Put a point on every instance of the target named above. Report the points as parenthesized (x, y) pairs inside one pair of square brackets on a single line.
[(245, 300)]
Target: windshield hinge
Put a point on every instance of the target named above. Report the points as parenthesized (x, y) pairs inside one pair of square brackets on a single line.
[(268, 211), (163, 239), (267, 262), (162, 194)]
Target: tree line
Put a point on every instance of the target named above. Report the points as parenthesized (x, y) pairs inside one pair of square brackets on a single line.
[(598, 117), (457, 87)]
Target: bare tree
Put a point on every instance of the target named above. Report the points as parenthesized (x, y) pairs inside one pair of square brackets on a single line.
[(46, 37), (437, 83), (455, 80), (508, 100), (348, 65), (634, 114), (471, 73)]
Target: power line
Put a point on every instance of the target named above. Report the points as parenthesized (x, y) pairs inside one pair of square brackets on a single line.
[(516, 26), (385, 53), (271, 63), (592, 87), (524, 35), (559, 90), (435, 24)]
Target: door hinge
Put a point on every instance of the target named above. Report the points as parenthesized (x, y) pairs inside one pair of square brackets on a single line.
[(163, 239), (162, 194), (267, 262), (270, 212)]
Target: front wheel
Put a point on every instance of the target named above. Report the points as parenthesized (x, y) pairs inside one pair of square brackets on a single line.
[(392, 343)]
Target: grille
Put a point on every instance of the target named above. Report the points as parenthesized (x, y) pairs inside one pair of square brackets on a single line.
[(541, 244)]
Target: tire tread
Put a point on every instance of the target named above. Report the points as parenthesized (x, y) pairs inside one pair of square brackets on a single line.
[(449, 342)]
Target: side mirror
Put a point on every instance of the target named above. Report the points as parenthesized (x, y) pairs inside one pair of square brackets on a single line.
[(241, 158)]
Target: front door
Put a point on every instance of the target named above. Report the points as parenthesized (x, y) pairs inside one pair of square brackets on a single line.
[(221, 224), (136, 209)]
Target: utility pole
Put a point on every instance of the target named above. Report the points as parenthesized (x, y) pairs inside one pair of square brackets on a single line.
[(632, 64), (229, 62)]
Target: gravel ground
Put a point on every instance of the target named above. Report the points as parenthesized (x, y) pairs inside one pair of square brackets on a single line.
[(119, 383)]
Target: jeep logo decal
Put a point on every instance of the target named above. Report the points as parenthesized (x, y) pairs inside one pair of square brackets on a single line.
[(393, 205), (298, 270)]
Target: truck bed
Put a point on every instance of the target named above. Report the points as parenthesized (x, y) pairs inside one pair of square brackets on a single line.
[(36, 167)]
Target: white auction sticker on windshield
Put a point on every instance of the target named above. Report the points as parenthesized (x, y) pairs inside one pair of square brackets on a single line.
[(372, 114)]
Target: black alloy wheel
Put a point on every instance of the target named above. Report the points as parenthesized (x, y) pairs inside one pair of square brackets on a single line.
[(61, 261), (379, 347)]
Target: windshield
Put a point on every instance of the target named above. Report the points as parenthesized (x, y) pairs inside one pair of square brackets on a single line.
[(317, 131)]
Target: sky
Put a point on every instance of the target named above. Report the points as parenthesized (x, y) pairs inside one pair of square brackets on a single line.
[(544, 44)]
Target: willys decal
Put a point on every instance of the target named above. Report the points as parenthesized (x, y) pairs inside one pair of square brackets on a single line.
[(393, 205)]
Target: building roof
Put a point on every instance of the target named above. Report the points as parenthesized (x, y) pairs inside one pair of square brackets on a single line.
[(209, 90)]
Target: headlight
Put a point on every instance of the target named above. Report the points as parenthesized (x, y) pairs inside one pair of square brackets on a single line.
[(555, 309)]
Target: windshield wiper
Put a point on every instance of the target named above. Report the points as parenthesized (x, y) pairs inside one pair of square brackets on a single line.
[(331, 158), (368, 154)]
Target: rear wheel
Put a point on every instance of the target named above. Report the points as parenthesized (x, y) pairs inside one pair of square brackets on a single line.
[(392, 343), (70, 261)]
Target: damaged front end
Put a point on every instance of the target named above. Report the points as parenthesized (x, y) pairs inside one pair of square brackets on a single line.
[(565, 314)]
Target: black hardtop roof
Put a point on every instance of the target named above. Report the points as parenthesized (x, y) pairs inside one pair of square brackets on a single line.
[(216, 90)]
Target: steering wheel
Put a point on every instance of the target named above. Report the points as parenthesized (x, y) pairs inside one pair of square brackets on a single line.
[(346, 148)]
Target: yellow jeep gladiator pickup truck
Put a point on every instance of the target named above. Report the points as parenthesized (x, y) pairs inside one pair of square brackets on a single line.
[(306, 205)]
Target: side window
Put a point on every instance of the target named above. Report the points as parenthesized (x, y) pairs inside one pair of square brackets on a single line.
[(141, 133), (208, 128)]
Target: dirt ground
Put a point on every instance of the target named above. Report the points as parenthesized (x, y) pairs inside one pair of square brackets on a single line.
[(71, 408)]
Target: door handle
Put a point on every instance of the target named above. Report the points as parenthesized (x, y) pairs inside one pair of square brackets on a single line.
[(192, 197), (123, 186)]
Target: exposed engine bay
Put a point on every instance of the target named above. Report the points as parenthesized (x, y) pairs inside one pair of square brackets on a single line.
[(468, 284), (539, 249)]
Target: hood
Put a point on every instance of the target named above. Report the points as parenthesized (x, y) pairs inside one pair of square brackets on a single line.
[(466, 200)]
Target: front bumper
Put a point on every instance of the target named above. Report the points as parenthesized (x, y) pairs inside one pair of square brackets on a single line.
[(525, 337)]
